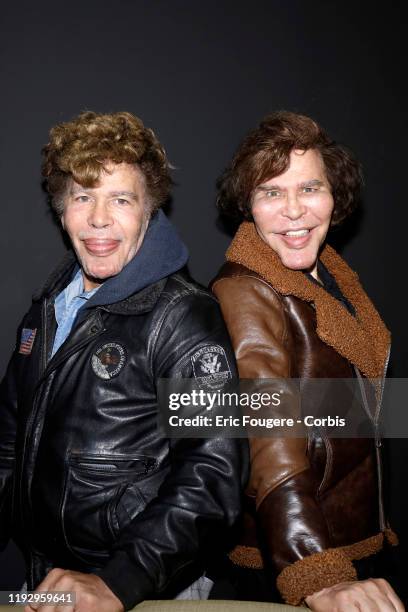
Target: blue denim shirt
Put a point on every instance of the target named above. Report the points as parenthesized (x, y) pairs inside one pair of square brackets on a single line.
[(67, 303)]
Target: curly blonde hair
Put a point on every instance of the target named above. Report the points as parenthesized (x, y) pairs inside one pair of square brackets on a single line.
[(80, 149)]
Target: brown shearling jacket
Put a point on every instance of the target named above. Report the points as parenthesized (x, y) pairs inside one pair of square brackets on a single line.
[(315, 503)]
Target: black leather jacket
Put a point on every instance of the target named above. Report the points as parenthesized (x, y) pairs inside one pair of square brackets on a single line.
[(95, 487)]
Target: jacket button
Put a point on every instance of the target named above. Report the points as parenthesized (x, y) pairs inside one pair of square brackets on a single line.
[(94, 329)]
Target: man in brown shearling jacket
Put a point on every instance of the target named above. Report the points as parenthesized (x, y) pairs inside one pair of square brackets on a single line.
[(294, 309)]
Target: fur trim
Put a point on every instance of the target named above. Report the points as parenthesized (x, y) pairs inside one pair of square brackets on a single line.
[(327, 568), (247, 556), (250, 556), (364, 548), (314, 573), (391, 537), (363, 340)]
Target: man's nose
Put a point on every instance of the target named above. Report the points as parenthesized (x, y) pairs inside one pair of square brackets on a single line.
[(294, 208), (99, 215)]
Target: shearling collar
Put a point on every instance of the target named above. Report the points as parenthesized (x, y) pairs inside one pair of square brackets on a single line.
[(363, 340)]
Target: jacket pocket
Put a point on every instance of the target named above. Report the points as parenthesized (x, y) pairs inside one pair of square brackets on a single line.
[(94, 506), (126, 505)]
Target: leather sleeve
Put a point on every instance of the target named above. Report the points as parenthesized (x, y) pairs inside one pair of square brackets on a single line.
[(201, 496), (284, 486), (8, 425)]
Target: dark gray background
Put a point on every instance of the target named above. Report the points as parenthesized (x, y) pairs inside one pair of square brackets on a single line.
[(201, 74)]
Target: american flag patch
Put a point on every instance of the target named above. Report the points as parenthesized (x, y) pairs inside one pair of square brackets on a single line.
[(27, 340)]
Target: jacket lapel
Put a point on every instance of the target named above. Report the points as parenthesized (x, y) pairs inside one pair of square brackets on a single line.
[(80, 336), (89, 323), (363, 340)]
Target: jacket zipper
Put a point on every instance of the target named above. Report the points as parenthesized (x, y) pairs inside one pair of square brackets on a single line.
[(26, 505), (44, 344), (31, 420), (378, 444), (43, 362), (383, 380), (377, 438)]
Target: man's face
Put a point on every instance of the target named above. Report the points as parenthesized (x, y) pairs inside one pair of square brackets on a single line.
[(292, 211), (106, 223)]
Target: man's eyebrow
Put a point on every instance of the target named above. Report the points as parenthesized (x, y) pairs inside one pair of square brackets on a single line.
[(312, 183), (268, 188), (129, 194), (115, 194), (75, 189)]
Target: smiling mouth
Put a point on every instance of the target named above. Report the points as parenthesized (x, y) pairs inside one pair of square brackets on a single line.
[(297, 239), (101, 247), (297, 233)]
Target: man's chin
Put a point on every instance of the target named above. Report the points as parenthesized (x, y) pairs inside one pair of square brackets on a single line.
[(305, 264), (97, 277)]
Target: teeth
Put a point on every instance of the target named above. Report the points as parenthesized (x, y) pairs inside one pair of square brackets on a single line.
[(297, 232)]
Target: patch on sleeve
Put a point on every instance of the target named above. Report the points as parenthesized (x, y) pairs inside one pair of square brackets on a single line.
[(27, 340), (210, 367)]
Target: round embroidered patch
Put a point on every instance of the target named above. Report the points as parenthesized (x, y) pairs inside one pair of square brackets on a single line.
[(210, 367), (108, 360)]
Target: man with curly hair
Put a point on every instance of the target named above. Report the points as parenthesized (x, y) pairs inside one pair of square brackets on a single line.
[(315, 525), (99, 502)]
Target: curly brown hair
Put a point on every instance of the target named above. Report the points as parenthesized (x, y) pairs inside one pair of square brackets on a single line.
[(80, 149), (265, 153)]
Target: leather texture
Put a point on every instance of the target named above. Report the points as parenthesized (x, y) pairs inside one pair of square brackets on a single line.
[(95, 487), (307, 494)]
